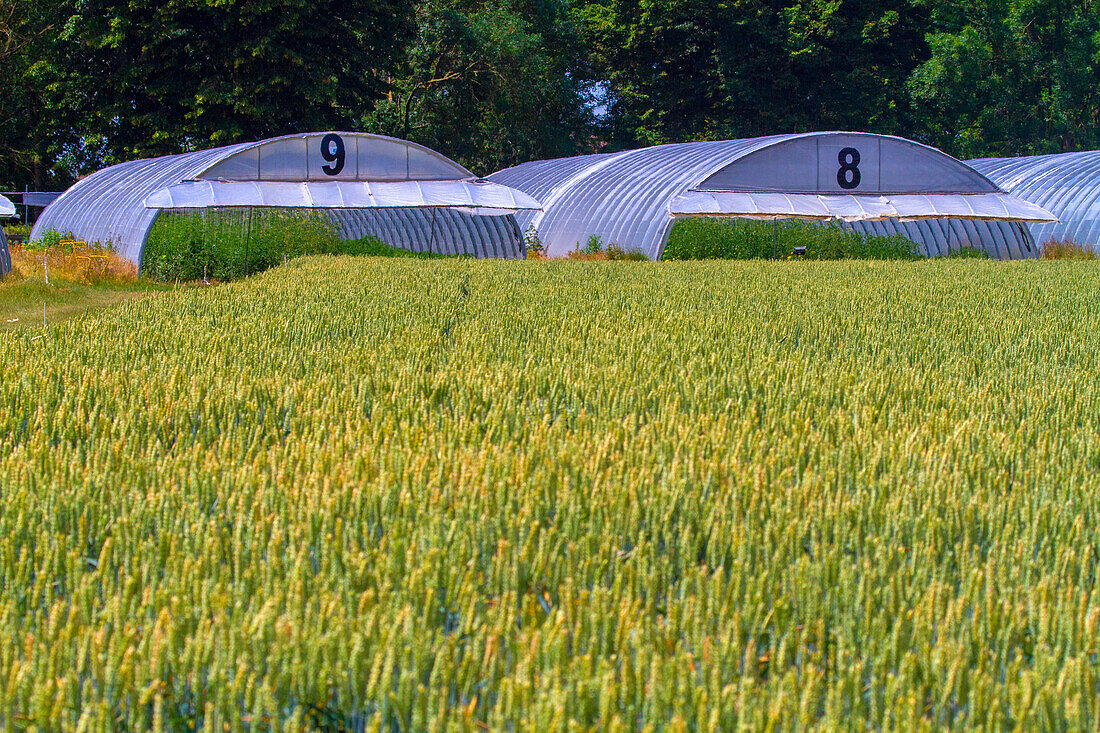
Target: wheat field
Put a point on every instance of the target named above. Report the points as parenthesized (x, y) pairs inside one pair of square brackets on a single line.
[(358, 494)]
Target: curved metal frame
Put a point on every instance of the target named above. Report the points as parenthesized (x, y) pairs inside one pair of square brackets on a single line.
[(624, 198), (1066, 184), (109, 206)]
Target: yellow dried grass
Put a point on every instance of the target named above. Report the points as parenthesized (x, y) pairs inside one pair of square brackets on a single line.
[(90, 267)]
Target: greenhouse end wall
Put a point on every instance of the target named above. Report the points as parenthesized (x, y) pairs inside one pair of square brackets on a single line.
[(330, 171), (632, 198)]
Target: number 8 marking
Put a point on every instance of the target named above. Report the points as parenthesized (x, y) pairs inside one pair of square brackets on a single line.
[(332, 150), (848, 176)]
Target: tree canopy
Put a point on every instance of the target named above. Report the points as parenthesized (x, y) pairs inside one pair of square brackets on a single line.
[(496, 82)]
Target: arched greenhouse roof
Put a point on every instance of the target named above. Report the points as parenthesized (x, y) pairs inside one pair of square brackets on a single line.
[(7, 208), (1066, 184), (325, 170), (632, 198)]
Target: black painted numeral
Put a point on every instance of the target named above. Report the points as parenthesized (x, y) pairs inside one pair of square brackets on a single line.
[(848, 176), (332, 150)]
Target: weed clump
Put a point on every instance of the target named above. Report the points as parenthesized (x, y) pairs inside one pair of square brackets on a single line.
[(596, 249), (18, 232), (533, 244), (1067, 249)]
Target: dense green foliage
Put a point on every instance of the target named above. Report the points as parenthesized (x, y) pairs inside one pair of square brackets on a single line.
[(356, 493), (705, 238), (1005, 78), (497, 82), (682, 70), (226, 245), (32, 142), (112, 81), (231, 244), (490, 83)]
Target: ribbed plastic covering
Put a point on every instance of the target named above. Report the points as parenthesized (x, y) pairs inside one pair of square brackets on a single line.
[(7, 209), (543, 178), (622, 198), (109, 207), (1066, 184), (5, 255), (443, 231), (1004, 240), (627, 198)]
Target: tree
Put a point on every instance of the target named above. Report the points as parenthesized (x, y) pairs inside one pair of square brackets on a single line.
[(680, 70), (126, 80), (497, 82), (28, 141), (491, 83), (1012, 78)]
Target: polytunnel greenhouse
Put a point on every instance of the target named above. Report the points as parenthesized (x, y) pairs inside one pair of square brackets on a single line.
[(1066, 184), (402, 193), (7, 210), (873, 183)]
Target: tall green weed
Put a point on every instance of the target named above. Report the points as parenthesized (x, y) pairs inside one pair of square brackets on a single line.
[(743, 239), (231, 244)]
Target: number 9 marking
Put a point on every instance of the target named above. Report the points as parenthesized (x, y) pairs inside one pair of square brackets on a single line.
[(332, 150), (848, 176)]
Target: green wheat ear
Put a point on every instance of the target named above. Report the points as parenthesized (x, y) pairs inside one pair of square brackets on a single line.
[(365, 493)]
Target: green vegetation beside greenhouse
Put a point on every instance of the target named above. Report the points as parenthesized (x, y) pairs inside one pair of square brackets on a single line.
[(231, 244), (706, 238), (469, 495)]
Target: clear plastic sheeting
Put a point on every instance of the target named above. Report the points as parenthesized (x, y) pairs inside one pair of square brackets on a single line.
[(40, 199), (108, 206), (295, 171), (7, 208), (988, 206), (481, 197), (1066, 184), (440, 231), (628, 198)]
